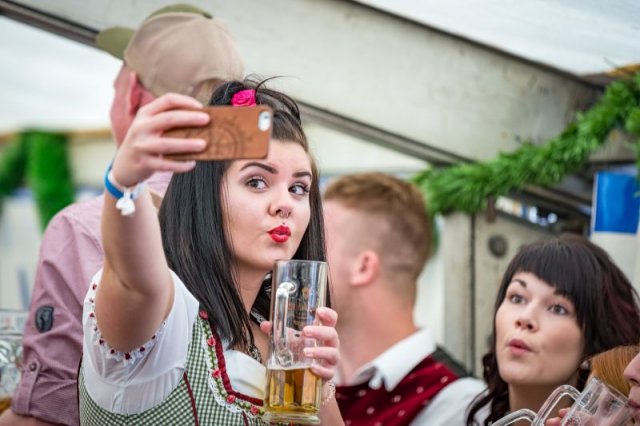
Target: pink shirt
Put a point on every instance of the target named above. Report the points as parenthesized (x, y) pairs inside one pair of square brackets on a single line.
[(70, 254)]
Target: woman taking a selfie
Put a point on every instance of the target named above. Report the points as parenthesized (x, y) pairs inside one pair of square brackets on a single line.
[(560, 302), (169, 335)]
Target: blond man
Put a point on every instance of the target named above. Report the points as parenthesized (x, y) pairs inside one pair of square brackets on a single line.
[(391, 372)]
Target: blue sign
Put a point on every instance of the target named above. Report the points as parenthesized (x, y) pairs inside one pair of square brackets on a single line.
[(616, 203)]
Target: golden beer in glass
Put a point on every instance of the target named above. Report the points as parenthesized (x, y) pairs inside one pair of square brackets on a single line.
[(294, 392), (5, 403)]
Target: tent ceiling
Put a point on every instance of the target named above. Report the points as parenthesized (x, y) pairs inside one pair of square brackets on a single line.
[(386, 79), (580, 37), (373, 71), (48, 81)]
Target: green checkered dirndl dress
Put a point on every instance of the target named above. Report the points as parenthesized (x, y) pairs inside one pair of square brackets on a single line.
[(203, 397)]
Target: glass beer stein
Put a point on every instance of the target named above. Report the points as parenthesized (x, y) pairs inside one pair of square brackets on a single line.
[(597, 405), (294, 393), (11, 328)]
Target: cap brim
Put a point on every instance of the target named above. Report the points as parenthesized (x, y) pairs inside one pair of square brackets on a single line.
[(181, 8), (114, 40)]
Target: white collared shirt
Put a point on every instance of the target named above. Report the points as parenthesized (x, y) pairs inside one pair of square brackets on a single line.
[(448, 407)]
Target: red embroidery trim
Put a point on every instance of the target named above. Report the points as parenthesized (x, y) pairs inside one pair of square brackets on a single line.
[(225, 377), (191, 398)]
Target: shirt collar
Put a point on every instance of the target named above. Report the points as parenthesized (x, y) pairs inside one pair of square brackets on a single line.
[(391, 366)]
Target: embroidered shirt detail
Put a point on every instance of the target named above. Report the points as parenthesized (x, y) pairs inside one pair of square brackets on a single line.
[(126, 357), (219, 381)]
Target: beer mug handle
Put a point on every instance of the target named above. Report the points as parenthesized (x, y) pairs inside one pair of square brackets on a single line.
[(284, 356), (516, 416), (553, 400)]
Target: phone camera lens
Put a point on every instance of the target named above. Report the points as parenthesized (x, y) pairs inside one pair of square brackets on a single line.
[(264, 120)]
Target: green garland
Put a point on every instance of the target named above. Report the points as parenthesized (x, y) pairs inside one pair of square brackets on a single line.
[(467, 187), (13, 164), (49, 172), (41, 159), (632, 126)]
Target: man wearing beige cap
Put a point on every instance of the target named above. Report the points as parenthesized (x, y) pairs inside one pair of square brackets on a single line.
[(178, 48)]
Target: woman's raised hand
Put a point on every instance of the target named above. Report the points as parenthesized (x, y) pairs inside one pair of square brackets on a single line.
[(141, 153)]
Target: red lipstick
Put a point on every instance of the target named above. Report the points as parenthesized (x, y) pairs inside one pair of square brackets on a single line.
[(280, 234)]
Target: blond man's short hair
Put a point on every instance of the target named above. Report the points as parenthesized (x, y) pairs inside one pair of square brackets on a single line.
[(403, 228)]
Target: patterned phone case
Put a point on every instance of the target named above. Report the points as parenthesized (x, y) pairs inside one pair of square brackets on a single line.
[(232, 132)]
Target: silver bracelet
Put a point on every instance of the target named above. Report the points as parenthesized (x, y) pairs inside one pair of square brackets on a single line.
[(332, 392)]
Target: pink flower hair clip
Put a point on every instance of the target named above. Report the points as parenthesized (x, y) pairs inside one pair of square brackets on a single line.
[(245, 97)]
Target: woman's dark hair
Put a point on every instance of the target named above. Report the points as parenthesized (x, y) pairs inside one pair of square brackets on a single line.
[(193, 224), (607, 308)]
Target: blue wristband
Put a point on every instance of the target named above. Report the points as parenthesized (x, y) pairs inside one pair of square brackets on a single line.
[(110, 187), (125, 198)]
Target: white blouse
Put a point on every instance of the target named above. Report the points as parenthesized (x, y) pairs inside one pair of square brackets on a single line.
[(129, 383)]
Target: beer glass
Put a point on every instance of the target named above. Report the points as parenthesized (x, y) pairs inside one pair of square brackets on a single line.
[(597, 405), (11, 328), (9, 372), (294, 392)]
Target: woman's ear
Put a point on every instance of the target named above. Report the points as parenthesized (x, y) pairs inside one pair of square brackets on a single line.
[(366, 268)]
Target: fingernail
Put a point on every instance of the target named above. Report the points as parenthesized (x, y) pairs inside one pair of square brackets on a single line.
[(307, 352)]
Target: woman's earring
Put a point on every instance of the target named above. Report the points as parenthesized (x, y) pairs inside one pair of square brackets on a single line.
[(585, 365)]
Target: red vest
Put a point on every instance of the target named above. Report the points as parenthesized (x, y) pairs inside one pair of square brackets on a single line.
[(362, 406)]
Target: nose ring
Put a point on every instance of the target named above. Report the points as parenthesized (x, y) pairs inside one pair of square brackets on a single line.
[(284, 214)]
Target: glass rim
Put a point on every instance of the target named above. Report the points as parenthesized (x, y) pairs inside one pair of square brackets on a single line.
[(302, 261), (616, 393)]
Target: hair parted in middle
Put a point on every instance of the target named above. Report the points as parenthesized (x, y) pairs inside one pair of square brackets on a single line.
[(607, 306), (193, 224)]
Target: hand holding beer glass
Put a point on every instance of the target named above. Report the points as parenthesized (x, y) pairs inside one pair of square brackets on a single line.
[(294, 392)]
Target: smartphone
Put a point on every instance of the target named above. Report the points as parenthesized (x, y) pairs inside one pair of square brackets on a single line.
[(232, 132)]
